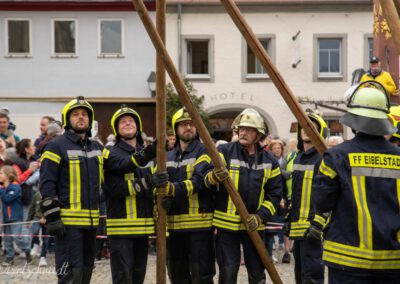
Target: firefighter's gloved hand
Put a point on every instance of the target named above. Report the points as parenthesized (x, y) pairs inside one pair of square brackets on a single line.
[(170, 189), (313, 233), (158, 179), (150, 152), (56, 229), (253, 222), (166, 203), (217, 175), (286, 229)]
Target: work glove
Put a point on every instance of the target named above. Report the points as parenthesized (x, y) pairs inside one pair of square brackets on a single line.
[(217, 175), (158, 179), (286, 229), (313, 233), (166, 203), (146, 155), (56, 229), (253, 222)]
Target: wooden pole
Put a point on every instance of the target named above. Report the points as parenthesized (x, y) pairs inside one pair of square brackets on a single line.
[(161, 222), (274, 74), (390, 12), (204, 134)]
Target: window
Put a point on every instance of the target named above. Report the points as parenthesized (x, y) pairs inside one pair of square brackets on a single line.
[(330, 57), (198, 57), (110, 38), (64, 36), (18, 37), (251, 66), (368, 50)]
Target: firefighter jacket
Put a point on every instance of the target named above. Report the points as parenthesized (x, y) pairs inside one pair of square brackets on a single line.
[(129, 213), (258, 180), (384, 78), (192, 206), (305, 168), (72, 171), (359, 181)]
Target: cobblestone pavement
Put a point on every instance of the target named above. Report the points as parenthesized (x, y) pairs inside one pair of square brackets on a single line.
[(20, 273)]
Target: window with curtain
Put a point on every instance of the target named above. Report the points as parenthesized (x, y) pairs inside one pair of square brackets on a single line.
[(64, 36), (18, 36)]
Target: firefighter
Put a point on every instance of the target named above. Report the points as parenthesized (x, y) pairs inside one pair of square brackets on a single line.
[(307, 253), (190, 246), (358, 182), (130, 202), (71, 174), (257, 177), (394, 117)]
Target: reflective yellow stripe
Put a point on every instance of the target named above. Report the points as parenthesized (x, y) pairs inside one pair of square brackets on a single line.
[(275, 172), (81, 212), (230, 222), (319, 219), (234, 173), (306, 195), (360, 252), (122, 226), (51, 156), (372, 160), (268, 204), (101, 170), (106, 153), (297, 229), (222, 158), (260, 201), (202, 158), (70, 221), (75, 184), (324, 169), (190, 221), (193, 199), (130, 231), (363, 216), (135, 162)]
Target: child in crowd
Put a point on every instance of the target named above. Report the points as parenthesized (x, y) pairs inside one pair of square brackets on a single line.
[(10, 193)]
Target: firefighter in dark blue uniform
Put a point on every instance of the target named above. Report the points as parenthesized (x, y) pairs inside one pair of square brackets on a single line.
[(71, 174), (190, 247), (129, 202), (307, 253), (359, 182), (256, 175)]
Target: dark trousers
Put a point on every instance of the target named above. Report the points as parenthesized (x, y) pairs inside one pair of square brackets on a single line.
[(338, 276), (308, 267), (228, 257), (191, 257), (129, 259), (75, 255)]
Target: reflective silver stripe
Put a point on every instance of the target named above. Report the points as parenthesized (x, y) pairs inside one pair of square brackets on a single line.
[(375, 172), (48, 212), (150, 164), (264, 166), (80, 153), (237, 162), (302, 168), (173, 164)]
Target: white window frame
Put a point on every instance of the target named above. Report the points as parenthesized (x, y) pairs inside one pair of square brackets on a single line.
[(252, 77), (64, 55), (200, 77), (367, 37), (111, 55), (342, 74), (9, 54)]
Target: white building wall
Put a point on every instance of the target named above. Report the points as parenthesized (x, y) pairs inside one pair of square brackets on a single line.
[(228, 91)]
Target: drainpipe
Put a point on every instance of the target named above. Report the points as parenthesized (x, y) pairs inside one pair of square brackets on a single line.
[(179, 23)]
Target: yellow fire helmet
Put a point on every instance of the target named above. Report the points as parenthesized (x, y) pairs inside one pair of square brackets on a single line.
[(394, 117), (79, 102), (179, 115), (249, 118), (125, 110), (322, 127), (368, 109)]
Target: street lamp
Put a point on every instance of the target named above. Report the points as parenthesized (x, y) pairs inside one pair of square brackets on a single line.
[(152, 83)]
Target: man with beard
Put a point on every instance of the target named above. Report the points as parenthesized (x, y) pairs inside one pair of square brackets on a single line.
[(189, 207), (307, 252), (257, 177), (130, 202), (376, 73), (71, 175)]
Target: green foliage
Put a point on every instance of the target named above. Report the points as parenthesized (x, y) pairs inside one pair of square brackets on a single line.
[(174, 103)]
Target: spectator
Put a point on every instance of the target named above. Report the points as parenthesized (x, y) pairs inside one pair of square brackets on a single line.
[(333, 141), (53, 130), (10, 193), (376, 73), (5, 132), (44, 123), (3, 152), (35, 214), (171, 140)]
